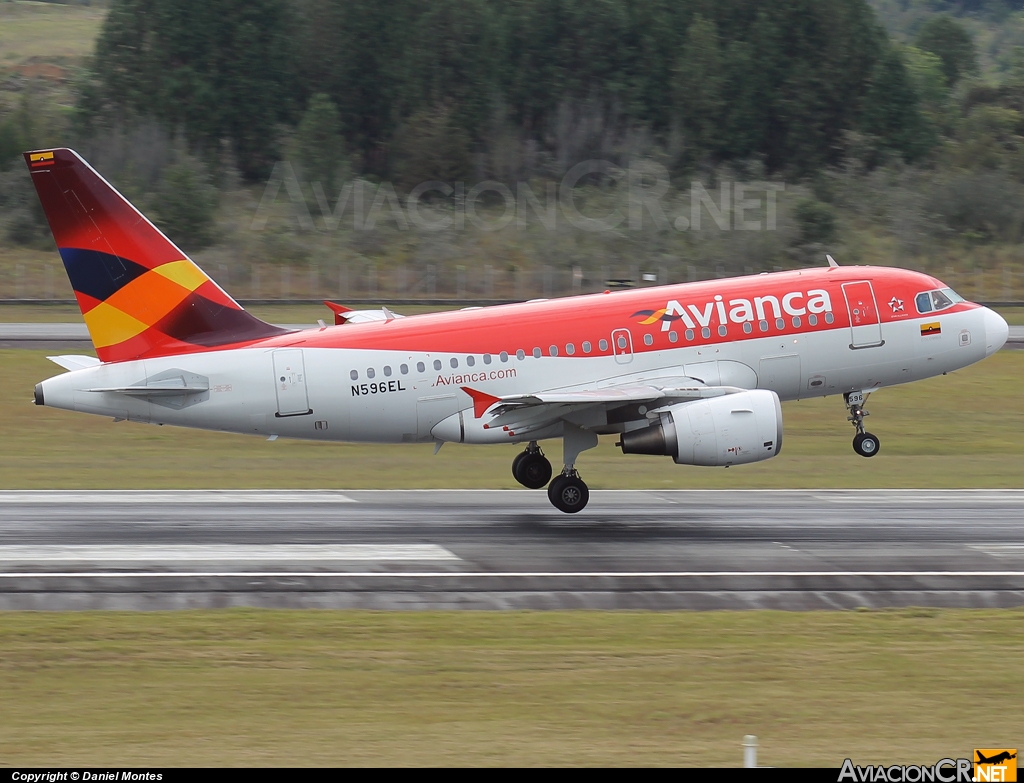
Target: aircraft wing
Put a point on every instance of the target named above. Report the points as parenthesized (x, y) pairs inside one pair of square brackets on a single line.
[(526, 412)]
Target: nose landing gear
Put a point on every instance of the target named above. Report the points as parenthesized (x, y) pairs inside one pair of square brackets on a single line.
[(864, 443), (531, 468)]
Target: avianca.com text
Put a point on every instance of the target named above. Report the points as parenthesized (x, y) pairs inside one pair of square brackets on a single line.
[(474, 377)]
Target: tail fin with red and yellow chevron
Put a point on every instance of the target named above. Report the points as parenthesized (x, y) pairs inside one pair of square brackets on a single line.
[(139, 294)]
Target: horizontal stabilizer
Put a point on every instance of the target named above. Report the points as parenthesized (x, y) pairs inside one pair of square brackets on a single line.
[(74, 362)]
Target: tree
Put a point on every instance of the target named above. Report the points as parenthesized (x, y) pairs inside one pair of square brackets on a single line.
[(697, 86), (891, 112), (221, 69), (318, 142), (185, 204), (951, 43)]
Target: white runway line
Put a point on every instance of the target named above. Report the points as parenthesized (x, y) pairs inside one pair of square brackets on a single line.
[(1000, 550), (173, 496), (504, 574), (218, 552)]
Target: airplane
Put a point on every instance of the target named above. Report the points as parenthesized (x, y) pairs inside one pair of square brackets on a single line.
[(996, 759), (693, 371)]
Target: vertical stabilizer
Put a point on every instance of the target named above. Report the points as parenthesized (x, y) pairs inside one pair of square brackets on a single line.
[(139, 294)]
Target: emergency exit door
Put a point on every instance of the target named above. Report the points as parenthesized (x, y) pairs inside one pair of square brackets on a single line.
[(290, 381), (865, 324)]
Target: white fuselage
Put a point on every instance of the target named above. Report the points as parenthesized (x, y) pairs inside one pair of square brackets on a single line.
[(309, 392)]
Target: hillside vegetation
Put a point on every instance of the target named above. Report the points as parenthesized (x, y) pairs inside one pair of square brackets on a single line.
[(562, 142)]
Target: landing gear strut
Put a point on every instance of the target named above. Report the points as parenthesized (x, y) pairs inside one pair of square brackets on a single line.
[(864, 443), (531, 468), (568, 492)]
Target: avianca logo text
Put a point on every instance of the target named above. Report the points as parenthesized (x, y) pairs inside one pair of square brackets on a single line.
[(760, 308)]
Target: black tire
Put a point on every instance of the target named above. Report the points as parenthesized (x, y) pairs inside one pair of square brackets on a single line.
[(533, 471), (516, 463), (568, 494), (866, 444)]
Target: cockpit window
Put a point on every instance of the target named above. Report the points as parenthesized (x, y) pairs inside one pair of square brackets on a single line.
[(940, 301), (930, 301)]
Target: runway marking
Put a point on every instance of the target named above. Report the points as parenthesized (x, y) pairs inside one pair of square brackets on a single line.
[(247, 552), (173, 496), (1000, 550), (504, 574)]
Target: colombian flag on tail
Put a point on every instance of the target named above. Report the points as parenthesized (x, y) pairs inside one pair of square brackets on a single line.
[(139, 294)]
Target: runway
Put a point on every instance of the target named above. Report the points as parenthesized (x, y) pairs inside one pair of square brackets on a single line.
[(495, 549)]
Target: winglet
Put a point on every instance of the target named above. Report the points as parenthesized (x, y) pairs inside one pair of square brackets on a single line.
[(481, 400), (338, 311)]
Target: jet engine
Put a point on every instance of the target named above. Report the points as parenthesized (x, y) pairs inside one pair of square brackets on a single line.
[(730, 430)]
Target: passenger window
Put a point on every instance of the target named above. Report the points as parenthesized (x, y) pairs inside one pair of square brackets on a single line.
[(689, 334), (748, 327), (723, 330), (829, 318), (940, 301), (387, 370), (780, 324), (454, 362), (762, 325), (924, 303), (503, 356), (587, 346), (796, 321), (648, 339), (520, 354), (812, 319), (705, 333), (470, 361), (570, 349), (437, 364), (487, 358), (621, 341), (552, 350), (370, 373), (536, 353), (603, 345), (673, 337), (421, 367), (354, 375), (404, 369)]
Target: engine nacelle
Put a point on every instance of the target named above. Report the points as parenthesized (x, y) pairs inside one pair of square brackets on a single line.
[(730, 430)]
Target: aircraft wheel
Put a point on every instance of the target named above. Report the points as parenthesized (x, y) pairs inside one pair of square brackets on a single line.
[(568, 494), (866, 444), (532, 470)]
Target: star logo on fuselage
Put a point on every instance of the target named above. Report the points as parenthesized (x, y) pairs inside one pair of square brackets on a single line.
[(896, 305)]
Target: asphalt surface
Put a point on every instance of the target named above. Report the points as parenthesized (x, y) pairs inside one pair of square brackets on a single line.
[(495, 549)]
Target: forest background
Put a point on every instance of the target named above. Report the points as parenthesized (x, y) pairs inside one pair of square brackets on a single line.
[(285, 143)]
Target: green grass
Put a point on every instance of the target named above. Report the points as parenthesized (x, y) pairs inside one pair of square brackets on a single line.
[(960, 430), (506, 688), (46, 30)]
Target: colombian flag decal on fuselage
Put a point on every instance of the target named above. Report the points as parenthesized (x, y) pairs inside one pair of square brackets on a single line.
[(927, 330)]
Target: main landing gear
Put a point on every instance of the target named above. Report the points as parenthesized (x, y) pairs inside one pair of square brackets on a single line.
[(864, 443), (531, 468), (567, 492)]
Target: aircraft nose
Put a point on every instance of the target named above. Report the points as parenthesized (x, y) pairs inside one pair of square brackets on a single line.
[(996, 331)]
